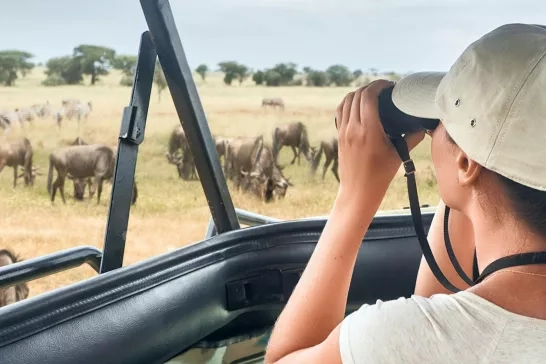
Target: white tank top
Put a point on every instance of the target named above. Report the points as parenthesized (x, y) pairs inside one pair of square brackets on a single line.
[(461, 328)]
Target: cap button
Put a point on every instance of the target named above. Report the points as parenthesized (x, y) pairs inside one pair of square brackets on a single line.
[(457, 102), (473, 122)]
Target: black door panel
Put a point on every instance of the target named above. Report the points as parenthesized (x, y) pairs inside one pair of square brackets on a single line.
[(153, 310)]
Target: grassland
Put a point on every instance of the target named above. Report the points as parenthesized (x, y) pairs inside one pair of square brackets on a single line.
[(170, 212)]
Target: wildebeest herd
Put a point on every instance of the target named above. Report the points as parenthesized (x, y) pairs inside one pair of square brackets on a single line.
[(251, 163)]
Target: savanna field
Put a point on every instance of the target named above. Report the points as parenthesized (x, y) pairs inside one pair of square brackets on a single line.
[(170, 212)]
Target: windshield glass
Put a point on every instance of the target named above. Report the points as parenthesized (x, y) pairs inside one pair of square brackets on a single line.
[(270, 75)]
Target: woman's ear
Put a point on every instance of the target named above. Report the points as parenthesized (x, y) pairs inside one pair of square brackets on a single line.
[(468, 170)]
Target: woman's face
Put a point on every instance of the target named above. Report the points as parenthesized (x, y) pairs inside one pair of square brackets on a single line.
[(444, 158)]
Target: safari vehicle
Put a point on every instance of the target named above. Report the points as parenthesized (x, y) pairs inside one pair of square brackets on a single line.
[(214, 301)]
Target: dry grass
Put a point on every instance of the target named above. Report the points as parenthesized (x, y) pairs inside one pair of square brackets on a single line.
[(170, 212)]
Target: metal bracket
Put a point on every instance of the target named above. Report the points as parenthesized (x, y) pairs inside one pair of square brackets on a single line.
[(131, 134), (130, 130)]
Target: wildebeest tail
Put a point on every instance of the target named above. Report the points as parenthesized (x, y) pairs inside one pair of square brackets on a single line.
[(50, 175)]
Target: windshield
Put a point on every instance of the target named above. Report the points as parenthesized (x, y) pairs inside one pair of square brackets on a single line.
[(270, 75)]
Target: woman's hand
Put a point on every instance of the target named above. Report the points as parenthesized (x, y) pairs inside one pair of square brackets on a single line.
[(367, 160)]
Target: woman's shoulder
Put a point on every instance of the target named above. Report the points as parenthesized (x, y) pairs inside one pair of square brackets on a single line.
[(460, 327)]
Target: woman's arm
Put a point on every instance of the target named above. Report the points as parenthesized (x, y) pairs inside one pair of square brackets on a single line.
[(307, 330), (462, 241)]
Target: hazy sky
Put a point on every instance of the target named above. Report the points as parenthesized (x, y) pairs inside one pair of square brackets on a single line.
[(396, 35)]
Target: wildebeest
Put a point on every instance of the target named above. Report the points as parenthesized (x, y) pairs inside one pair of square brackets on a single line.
[(295, 136), (329, 147), (275, 102), (250, 164), (238, 157), (81, 162), (265, 178), (16, 292), (18, 153), (184, 162)]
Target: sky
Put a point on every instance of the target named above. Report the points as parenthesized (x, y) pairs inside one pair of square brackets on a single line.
[(389, 35)]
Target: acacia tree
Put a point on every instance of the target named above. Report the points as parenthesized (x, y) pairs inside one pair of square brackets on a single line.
[(12, 64), (233, 71), (202, 70), (127, 65), (63, 70), (95, 60)]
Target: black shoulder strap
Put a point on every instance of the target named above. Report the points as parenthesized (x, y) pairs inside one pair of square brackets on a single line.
[(409, 167), (451, 253)]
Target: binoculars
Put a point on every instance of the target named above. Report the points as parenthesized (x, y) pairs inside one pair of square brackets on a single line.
[(395, 122)]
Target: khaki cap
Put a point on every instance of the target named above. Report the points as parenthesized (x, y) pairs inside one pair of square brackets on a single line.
[(492, 101)]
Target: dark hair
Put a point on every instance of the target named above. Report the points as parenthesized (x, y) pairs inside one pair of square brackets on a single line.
[(528, 204)]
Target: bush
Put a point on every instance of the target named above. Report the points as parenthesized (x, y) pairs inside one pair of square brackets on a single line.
[(126, 81), (54, 80)]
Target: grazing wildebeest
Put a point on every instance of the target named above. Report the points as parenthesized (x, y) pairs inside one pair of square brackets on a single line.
[(329, 147), (265, 178), (295, 136), (238, 157), (18, 153), (184, 162), (16, 292), (275, 102), (81, 162)]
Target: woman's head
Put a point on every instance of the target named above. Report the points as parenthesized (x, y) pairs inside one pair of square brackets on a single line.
[(463, 183), (489, 147)]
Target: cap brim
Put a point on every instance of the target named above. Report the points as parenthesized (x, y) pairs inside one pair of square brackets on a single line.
[(415, 94)]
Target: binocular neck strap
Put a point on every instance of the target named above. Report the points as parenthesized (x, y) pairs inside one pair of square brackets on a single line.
[(502, 263), (409, 167)]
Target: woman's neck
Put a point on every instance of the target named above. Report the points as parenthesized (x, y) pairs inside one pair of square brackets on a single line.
[(500, 234)]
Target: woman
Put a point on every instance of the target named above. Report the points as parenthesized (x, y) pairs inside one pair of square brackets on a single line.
[(489, 161)]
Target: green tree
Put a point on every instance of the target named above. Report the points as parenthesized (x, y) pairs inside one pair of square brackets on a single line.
[(12, 64), (202, 70), (67, 68), (159, 80), (243, 72), (339, 75), (272, 78), (127, 65), (286, 72), (233, 71), (258, 77), (357, 73), (317, 78), (95, 60)]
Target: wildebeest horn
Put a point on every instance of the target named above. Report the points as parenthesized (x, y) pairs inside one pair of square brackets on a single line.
[(288, 181), (244, 173), (280, 167)]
